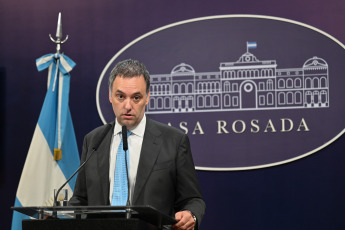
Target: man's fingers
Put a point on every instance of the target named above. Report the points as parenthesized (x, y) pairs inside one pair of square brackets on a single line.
[(185, 221)]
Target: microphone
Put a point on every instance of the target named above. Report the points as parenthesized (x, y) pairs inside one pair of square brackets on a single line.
[(124, 138), (98, 143), (125, 148)]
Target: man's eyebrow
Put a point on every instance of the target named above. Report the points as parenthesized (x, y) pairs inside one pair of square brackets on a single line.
[(119, 91), (135, 93)]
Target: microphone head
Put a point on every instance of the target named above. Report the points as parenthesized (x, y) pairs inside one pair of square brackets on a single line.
[(124, 138)]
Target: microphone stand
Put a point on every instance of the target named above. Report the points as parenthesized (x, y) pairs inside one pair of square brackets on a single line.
[(98, 143), (125, 148)]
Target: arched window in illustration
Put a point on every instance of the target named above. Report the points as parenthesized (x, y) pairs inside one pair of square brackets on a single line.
[(281, 99), (190, 88), (160, 89), (308, 83), (176, 88), (316, 97), (163, 89), (151, 89), (227, 100), (298, 83), (176, 102), (239, 74), (281, 83), (262, 100), (215, 100), (232, 74), (308, 98), (190, 102), (212, 87), (289, 97), (269, 84), (208, 87), (270, 99), (236, 75), (183, 88), (159, 103), (199, 89), (270, 72), (316, 82), (289, 83), (323, 96), (252, 73), (217, 87), (235, 101), (226, 86), (200, 100), (247, 73), (298, 97), (256, 73), (167, 103), (235, 87), (152, 104), (208, 101), (168, 89), (183, 102), (323, 82), (262, 86), (204, 87)]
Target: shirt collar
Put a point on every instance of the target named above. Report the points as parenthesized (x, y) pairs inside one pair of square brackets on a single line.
[(139, 130)]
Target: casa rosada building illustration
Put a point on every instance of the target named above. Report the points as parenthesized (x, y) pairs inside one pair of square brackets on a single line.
[(247, 84)]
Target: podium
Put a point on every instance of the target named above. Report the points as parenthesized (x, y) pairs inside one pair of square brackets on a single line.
[(95, 217)]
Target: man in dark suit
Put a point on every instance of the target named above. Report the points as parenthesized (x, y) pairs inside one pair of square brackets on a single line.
[(161, 167)]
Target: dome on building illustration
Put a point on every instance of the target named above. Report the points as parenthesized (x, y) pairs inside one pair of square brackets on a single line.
[(183, 68), (315, 62), (247, 57)]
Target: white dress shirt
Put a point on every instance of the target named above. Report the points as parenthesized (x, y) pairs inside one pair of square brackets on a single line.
[(135, 141)]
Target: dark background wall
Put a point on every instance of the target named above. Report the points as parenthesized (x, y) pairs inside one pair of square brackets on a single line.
[(305, 194)]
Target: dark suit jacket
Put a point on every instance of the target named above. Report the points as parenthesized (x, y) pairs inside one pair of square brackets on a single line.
[(166, 177)]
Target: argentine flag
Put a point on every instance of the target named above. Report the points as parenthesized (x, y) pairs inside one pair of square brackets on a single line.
[(251, 45), (54, 132)]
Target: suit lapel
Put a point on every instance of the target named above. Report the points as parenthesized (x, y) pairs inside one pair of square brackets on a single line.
[(148, 156), (103, 164)]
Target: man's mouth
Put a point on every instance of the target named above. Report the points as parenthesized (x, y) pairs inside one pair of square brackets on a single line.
[(127, 116)]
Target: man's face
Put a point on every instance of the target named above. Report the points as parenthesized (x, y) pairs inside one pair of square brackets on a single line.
[(129, 99)]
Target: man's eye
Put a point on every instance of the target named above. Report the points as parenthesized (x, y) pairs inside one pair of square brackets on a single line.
[(136, 98), (119, 96)]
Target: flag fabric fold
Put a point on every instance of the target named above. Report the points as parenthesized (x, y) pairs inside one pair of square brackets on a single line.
[(54, 132)]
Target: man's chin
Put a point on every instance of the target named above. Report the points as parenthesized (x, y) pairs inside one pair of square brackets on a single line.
[(130, 124)]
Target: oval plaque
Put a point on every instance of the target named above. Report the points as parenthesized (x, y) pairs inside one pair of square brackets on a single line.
[(250, 91)]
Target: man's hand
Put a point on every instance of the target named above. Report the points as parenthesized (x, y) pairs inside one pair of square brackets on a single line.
[(185, 221)]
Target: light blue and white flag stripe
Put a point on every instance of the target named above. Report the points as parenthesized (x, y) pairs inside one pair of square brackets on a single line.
[(41, 173), (251, 45)]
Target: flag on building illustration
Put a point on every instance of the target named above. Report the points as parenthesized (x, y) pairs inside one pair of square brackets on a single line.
[(251, 45)]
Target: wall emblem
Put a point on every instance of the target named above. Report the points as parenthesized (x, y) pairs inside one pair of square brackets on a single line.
[(246, 84), (250, 91)]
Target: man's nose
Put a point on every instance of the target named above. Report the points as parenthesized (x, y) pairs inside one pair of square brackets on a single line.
[(128, 104)]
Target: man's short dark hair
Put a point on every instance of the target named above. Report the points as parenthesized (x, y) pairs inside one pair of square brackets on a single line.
[(129, 68)]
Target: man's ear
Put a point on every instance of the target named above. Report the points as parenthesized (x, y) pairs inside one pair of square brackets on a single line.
[(147, 98)]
